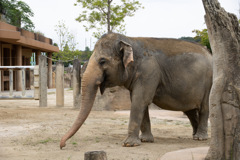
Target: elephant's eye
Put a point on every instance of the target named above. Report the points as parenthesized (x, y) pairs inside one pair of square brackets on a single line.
[(102, 61)]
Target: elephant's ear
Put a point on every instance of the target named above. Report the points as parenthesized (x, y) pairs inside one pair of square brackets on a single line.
[(127, 53)]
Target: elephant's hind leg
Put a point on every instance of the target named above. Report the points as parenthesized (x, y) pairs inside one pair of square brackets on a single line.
[(194, 119), (203, 120), (203, 124), (146, 135)]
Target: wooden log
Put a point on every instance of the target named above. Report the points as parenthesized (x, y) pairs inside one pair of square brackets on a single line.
[(95, 155)]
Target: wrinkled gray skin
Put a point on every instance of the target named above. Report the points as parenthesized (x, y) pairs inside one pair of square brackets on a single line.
[(175, 75)]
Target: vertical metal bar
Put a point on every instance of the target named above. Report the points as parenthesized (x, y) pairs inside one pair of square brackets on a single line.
[(23, 82), (11, 82)]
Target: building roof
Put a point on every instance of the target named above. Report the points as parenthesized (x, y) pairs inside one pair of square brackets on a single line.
[(14, 35)]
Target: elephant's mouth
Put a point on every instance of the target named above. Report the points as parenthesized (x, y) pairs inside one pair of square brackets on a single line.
[(106, 83), (103, 84)]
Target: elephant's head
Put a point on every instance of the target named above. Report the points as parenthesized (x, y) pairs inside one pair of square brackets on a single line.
[(106, 68)]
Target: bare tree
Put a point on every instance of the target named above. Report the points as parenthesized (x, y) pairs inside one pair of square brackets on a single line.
[(224, 36)]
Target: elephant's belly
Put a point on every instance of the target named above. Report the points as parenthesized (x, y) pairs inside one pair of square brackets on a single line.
[(169, 103)]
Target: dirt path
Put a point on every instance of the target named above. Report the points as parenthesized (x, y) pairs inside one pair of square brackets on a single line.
[(28, 132)]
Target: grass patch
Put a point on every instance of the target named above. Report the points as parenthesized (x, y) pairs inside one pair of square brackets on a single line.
[(74, 143), (45, 141), (31, 142), (97, 140), (187, 125)]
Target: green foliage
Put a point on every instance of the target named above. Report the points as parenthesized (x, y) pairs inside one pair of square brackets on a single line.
[(190, 39), (67, 56), (202, 36), (39, 33), (45, 141), (103, 13), (17, 13)]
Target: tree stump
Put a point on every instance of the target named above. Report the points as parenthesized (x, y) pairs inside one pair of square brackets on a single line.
[(224, 101), (95, 155)]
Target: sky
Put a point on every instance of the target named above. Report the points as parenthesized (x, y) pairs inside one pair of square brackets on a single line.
[(159, 18)]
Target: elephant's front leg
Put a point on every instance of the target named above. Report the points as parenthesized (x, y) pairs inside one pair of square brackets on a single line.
[(146, 135), (136, 116), (141, 97)]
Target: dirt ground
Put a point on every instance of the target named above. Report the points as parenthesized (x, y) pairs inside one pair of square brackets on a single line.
[(28, 132)]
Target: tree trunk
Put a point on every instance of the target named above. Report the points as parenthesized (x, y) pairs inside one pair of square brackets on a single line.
[(224, 36)]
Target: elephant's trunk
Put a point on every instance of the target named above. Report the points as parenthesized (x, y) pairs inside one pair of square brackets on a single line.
[(90, 82)]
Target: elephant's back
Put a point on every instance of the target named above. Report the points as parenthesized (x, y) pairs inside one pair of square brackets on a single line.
[(171, 46)]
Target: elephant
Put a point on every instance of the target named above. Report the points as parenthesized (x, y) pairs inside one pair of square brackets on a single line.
[(173, 74)]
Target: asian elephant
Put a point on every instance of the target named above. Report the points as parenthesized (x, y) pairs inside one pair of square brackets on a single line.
[(173, 74)]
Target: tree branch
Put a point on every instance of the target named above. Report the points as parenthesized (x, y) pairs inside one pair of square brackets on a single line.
[(101, 10)]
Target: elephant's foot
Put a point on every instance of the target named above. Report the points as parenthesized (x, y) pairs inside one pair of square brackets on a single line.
[(147, 138), (131, 142), (200, 136)]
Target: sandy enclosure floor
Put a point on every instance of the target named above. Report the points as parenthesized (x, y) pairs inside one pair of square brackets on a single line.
[(28, 132)]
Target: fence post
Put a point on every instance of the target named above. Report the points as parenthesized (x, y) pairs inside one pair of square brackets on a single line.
[(11, 82), (59, 84), (23, 82), (42, 81), (76, 83), (36, 82)]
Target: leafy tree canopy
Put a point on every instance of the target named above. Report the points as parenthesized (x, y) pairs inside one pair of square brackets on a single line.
[(17, 13), (106, 16), (202, 36)]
